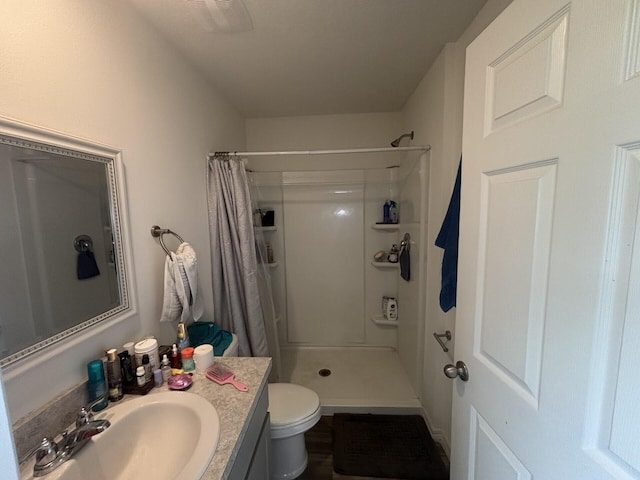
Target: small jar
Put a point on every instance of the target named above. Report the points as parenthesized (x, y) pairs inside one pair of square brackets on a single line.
[(157, 377), (150, 347), (188, 365), (140, 376)]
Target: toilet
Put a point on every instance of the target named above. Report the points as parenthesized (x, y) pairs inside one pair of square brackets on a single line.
[(294, 410)]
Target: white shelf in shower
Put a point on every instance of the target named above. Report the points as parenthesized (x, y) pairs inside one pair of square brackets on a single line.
[(380, 320), (272, 265), (389, 227), (385, 265)]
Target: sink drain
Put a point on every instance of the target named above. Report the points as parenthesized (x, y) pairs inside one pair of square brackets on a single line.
[(324, 372)]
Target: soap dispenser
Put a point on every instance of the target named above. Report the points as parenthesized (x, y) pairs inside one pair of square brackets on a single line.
[(183, 337)]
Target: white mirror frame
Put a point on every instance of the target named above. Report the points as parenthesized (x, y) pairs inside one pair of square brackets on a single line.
[(26, 135)]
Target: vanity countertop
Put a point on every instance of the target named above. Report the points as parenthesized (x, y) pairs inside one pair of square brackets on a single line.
[(234, 408)]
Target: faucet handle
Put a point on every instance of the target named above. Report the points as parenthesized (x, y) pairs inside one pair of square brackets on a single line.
[(85, 415), (46, 452)]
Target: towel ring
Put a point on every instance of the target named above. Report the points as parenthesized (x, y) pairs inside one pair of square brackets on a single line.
[(157, 232), (83, 243)]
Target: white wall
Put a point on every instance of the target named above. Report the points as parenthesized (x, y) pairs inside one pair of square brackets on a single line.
[(434, 112), (96, 70), (321, 132)]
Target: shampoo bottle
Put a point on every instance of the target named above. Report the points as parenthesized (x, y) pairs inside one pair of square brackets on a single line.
[(385, 212), (393, 212)]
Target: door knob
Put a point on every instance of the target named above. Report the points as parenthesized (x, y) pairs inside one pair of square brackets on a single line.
[(458, 370)]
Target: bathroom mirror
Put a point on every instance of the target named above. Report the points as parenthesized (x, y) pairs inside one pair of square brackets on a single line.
[(62, 249)]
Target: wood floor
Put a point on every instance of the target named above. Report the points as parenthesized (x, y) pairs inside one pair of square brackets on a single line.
[(319, 449)]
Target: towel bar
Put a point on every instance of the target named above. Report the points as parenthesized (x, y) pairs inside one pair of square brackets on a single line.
[(157, 232), (438, 337)]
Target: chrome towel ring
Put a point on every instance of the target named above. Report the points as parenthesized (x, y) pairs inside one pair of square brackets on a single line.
[(157, 232)]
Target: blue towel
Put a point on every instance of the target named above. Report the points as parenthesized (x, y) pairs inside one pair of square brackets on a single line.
[(201, 333), (448, 240), (86, 266), (405, 264)]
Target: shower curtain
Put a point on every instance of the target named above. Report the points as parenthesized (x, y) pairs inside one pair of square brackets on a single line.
[(242, 296)]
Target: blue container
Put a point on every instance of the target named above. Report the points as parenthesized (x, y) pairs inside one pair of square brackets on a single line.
[(97, 385), (385, 212)]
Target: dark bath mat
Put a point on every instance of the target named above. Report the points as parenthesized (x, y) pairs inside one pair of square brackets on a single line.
[(387, 446)]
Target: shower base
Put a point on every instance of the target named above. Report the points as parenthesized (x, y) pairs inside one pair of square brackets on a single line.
[(362, 380)]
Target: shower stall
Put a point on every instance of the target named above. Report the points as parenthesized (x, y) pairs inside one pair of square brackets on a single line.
[(327, 287)]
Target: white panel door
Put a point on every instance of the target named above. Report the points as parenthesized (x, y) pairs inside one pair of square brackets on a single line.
[(548, 318)]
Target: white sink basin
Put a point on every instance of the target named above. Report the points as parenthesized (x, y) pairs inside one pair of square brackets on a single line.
[(165, 435)]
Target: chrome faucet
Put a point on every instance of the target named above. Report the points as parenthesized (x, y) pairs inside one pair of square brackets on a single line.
[(50, 455)]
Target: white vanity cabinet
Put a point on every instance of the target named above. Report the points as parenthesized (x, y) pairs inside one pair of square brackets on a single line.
[(252, 461)]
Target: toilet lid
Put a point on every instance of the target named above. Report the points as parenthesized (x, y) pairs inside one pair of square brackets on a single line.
[(289, 403)]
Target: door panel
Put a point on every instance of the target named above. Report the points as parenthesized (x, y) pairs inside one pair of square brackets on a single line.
[(491, 457), (515, 235)]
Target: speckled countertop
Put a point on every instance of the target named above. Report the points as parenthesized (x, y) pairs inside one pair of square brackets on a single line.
[(234, 408)]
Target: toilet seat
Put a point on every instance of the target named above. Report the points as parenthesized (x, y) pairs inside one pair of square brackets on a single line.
[(293, 409)]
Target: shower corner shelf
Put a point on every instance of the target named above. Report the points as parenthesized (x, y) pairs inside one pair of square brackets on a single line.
[(389, 227), (385, 265), (272, 265), (380, 320), (267, 229)]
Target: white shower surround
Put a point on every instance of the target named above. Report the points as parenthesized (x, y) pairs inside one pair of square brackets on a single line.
[(314, 319)]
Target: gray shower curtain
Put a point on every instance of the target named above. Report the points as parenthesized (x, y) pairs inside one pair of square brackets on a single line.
[(242, 299)]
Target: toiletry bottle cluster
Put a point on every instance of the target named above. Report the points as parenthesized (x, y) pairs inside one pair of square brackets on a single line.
[(138, 368)]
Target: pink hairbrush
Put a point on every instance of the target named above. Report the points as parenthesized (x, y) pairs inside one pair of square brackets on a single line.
[(221, 374)]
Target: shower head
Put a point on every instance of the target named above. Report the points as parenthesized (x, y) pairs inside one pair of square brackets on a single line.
[(396, 142)]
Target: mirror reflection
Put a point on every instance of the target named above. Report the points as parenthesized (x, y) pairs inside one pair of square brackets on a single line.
[(59, 244)]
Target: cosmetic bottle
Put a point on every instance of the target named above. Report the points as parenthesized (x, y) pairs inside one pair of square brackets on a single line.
[(147, 368), (97, 385), (393, 254), (183, 337), (175, 358), (140, 376), (126, 368), (114, 378), (166, 368), (385, 211)]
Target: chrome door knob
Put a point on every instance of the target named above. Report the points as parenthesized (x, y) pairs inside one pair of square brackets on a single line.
[(458, 370)]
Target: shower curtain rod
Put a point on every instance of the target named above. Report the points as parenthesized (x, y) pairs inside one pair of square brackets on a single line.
[(424, 148)]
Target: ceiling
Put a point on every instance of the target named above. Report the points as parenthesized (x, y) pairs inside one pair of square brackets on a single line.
[(312, 57)]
